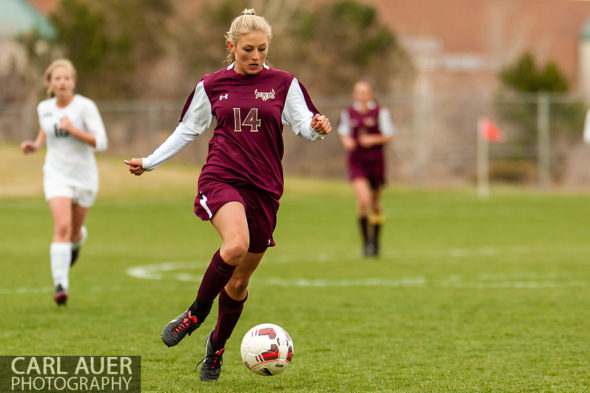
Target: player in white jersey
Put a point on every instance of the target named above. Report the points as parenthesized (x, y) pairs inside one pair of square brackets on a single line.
[(72, 128)]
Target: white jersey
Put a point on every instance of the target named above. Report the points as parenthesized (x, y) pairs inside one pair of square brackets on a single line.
[(69, 161)]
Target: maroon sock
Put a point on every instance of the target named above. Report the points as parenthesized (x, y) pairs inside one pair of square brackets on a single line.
[(227, 318), (216, 276)]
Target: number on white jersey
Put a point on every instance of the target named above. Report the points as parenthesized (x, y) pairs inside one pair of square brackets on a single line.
[(60, 133)]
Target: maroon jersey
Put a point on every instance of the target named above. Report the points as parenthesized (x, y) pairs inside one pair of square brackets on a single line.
[(247, 144), (366, 162), (365, 123)]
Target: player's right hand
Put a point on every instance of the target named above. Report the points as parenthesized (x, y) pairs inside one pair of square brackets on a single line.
[(28, 147), (321, 124), (348, 143), (135, 166)]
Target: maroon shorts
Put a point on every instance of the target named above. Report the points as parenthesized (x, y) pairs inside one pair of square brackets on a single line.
[(373, 170), (261, 210)]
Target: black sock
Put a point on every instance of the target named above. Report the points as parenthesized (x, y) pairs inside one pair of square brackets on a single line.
[(375, 236), (200, 310), (363, 223)]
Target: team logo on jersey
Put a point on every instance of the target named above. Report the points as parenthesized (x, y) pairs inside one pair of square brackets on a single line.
[(264, 95), (370, 121), (223, 96)]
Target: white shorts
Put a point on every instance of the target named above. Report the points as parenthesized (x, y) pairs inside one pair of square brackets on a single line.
[(80, 196)]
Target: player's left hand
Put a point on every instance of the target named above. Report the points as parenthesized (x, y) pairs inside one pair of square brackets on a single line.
[(321, 124)]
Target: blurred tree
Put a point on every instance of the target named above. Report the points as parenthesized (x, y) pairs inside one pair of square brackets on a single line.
[(157, 48), (111, 43), (344, 41), (524, 76), (327, 48)]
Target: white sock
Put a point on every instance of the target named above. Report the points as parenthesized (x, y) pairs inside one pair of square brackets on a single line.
[(61, 256), (79, 243)]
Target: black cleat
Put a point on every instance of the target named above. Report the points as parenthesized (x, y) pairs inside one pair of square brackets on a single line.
[(76, 249), (370, 250), (211, 367), (61, 296), (375, 248), (176, 329), (75, 255)]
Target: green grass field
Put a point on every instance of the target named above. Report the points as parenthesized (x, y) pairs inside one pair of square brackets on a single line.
[(468, 296)]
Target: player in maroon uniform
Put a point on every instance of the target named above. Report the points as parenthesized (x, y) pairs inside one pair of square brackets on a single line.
[(364, 128), (242, 180)]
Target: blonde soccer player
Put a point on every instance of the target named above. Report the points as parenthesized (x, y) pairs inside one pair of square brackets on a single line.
[(364, 129), (242, 180), (72, 129)]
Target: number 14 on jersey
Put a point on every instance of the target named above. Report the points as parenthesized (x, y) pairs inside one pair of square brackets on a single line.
[(251, 120)]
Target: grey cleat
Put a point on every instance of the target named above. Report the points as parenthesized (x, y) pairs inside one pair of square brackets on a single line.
[(176, 329)]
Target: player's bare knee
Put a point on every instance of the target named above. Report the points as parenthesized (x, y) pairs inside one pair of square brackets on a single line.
[(235, 250), (62, 232)]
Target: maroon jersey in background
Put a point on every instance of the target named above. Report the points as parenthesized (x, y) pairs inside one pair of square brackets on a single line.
[(247, 144), (365, 123), (366, 162)]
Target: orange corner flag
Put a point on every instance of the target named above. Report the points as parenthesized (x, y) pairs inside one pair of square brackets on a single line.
[(488, 131)]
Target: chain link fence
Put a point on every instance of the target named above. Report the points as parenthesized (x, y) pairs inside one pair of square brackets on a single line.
[(435, 144)]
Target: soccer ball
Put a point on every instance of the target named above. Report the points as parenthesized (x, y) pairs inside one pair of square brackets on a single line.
[(267, 349)]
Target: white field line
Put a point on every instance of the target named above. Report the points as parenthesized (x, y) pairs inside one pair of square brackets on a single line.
[(49, 289), (454, 281), (156, 271), (403, 282), (451, 253), (180, 271)]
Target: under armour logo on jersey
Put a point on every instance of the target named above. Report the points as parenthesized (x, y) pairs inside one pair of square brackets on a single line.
[(223, 96)]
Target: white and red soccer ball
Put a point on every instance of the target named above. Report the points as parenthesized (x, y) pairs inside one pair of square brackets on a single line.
[(267, 349)]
